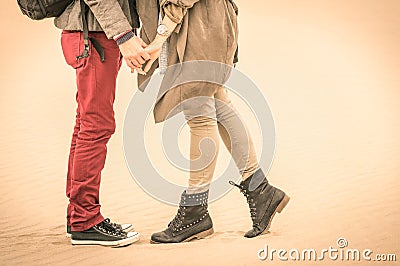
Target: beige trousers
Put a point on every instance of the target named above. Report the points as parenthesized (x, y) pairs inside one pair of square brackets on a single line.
[(209, 118)]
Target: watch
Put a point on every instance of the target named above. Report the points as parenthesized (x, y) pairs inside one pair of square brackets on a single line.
[(163, 30)]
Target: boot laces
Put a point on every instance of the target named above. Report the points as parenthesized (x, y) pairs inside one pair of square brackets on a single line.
[(249, 199), (178, 219)]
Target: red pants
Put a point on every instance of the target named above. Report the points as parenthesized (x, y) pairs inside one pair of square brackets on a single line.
[(96, 82)]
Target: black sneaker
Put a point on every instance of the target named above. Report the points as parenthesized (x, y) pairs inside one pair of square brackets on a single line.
[(123, 227), (104, 234)]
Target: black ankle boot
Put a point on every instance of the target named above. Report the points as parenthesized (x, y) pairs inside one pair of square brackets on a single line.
[(264, 201), (191, 221)]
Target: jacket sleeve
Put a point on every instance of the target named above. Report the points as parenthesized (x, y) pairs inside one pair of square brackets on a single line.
[(176, 9), (110, 16)]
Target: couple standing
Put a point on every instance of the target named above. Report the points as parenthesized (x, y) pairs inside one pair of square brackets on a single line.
[(194, 30)]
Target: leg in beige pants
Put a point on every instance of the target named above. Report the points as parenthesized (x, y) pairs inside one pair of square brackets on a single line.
[(209, 117)]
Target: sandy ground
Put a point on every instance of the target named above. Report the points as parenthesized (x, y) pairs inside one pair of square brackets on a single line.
[(330, 71)]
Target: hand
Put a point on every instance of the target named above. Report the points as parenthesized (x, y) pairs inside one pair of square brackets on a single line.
[(154, 50), (155, 47), (134, 54)]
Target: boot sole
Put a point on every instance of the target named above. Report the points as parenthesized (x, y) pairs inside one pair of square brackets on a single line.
[(278, 209), (200, 235), (117, 243)]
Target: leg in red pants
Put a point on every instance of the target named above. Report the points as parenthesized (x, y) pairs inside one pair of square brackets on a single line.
[(96, 82)]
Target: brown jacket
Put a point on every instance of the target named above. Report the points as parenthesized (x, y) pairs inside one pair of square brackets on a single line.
[(111, 16), (208, 31)]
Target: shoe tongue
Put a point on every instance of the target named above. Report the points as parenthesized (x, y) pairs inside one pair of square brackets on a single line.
[(255, 180), (108, 226)]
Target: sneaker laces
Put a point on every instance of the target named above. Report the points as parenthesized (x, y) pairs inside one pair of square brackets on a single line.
[(249, 199), (108, 228), (115, 225)]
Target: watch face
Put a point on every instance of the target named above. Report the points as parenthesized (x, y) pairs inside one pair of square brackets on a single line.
[(162, 29)]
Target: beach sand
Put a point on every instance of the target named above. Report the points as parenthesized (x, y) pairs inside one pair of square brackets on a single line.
[(330, 71)]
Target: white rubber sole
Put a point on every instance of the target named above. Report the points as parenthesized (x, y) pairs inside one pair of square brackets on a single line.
[(118, 243), (127, 229)]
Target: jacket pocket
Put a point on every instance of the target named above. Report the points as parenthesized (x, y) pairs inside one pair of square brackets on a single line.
[(72, 46)]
